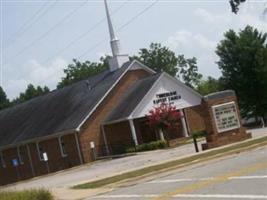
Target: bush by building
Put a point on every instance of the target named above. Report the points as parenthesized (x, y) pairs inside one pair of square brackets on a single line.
[(161, 144)]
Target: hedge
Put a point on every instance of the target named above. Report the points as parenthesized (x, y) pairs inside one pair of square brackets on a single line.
[(161, 144)]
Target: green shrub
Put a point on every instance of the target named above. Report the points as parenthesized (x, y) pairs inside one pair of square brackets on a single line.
[(148, 146), (199, 134), (40, 194)]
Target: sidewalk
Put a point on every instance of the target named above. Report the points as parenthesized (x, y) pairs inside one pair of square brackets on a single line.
[(61, 181)]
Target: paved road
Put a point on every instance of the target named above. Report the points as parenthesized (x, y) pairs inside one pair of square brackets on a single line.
[(243, 176)]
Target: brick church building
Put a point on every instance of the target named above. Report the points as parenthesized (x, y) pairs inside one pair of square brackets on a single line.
[(73, 125)]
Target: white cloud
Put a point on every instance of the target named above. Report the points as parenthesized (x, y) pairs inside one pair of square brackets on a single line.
[(202, 43), (37, 74), (197, 45), (249, 14)]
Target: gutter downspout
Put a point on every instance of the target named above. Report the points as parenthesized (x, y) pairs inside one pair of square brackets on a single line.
[(105, 139), (78, 146), (30, 159)]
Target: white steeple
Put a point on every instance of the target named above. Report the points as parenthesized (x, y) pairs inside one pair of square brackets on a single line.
[(117, 59)]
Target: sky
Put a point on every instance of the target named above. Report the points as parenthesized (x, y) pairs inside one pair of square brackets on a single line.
[(40, 38)]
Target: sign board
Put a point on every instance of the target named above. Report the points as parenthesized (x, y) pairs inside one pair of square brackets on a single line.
[(45, 156), (167, 97), (15, 162), (92, 145), (226, 117)]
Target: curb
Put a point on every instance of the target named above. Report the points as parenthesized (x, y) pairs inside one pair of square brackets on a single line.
[(175, 164)]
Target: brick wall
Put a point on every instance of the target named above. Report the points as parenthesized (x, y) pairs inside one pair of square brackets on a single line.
[(91, 130), (215, 139), (56, 162), (119, 133)]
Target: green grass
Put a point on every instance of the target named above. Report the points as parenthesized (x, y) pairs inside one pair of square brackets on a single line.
[(175, 164), (40, 194)]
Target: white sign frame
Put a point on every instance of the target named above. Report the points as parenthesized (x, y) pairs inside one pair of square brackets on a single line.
[(216, 122)]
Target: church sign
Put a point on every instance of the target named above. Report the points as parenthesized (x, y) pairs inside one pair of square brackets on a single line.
[(166, 97), (226, 117)]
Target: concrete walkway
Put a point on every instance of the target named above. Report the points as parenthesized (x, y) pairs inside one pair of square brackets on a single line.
[(63, 180)]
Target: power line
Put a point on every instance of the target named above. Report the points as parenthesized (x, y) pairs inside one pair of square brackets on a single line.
[(84, 34), (120, 28), (30, 22), (48, 31)]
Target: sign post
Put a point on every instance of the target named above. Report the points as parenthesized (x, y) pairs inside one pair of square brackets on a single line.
[(92, 146), (45, 156), (15, 164)]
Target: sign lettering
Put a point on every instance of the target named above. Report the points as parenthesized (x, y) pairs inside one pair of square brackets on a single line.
[(167, 97), (226, 117)]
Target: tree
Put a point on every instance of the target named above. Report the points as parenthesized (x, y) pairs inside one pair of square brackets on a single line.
[(243, 61), (189, 71), (235, 5), (160, 58), (163, 117), (4, 102), (210, 85), (81, 70), (30, 93)]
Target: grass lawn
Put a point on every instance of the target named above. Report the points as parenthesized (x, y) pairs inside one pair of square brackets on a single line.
[(40, 194)]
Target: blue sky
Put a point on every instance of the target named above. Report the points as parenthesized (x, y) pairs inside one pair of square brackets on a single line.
[(39, 38)]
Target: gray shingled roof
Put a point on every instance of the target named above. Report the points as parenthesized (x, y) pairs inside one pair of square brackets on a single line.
[(58, 111), (132, 98)]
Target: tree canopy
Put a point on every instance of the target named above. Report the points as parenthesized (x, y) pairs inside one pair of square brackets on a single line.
[(81, 70), (30, 93), (188, 71), (243, 62), (210, 85), (161, 58), (235, 5), (4, 102)]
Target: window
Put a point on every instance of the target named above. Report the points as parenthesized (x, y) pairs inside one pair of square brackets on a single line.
[(20, 155), (62, 147), (2, 160), (40, 151)]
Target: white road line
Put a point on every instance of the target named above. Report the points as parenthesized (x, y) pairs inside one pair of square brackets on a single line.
[(181, 180), (248, 177), (196, 196), (204, 179), (221, 196), (123, 196)]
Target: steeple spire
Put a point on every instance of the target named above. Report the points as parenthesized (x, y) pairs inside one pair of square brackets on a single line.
[(117, 59)]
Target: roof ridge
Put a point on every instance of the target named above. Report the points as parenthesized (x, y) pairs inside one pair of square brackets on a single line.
[(55, 90)]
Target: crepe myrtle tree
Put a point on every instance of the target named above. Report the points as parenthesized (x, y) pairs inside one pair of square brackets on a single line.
[(163, 117)]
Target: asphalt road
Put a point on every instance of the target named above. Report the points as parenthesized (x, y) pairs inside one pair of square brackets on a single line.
[(243, 176)]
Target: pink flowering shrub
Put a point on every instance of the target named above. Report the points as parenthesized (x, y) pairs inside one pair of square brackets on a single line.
[(163, 117)]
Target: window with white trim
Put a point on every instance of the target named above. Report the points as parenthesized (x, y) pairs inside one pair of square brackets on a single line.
[(2, 160), (20, 155), (40, 151), (62, 147)]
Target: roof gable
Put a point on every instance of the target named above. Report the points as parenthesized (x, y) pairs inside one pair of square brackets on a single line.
[(165, 89), (141, 96)]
